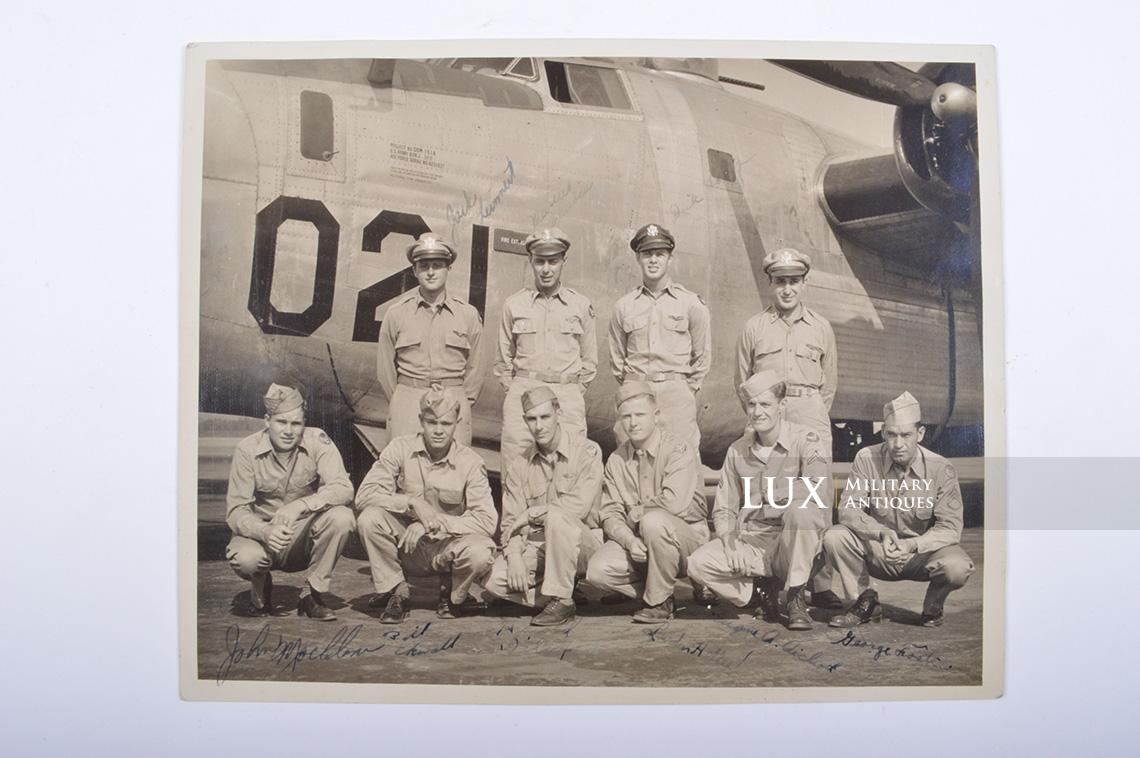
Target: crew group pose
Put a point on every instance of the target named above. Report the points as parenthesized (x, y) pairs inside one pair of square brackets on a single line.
[(630, 526)]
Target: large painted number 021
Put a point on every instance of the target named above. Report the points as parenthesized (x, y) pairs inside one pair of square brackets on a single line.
[(366, 328)]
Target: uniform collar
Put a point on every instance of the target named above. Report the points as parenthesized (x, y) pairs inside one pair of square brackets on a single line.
[(559, 293), (561, 451), (801, 314), (265, 446), (444, 302), (419, 448), (919, 462), (652, 446), (668, 289), (783, 438)]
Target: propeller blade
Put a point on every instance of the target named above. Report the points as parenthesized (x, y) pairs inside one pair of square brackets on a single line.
[(882, 82)]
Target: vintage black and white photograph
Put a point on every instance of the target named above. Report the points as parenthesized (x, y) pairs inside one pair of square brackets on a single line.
[(591, 377)]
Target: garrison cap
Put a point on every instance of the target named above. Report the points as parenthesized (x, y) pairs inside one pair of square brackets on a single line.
[(428, 246), (652, 237), (536, 396), (439, 401), (786, 262), (904, 409), (282, 399), (758, 384), (630, 390), (547, 243)]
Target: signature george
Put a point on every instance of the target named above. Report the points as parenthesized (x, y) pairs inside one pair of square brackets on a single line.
[(288, 653), (909, 651)]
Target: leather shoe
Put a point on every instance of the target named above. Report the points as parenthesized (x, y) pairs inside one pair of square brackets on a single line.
[(702, 595), (930, 620), (866, 608), (555, 613), (827, 600), (313, 606), (799, 620), (468, 607), (655, 614), (395, 612), (766, 598)]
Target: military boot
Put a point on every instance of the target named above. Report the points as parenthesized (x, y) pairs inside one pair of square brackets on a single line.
[(866, 608), (799, 620)]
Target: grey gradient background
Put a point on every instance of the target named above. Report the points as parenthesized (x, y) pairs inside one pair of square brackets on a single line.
[(90, 216)]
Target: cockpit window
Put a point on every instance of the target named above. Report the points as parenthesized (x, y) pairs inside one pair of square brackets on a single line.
[(482, 65), (523, 68), (587, 85)]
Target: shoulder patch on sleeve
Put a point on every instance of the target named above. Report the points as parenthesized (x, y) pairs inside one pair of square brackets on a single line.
[(324, 438), (590, 309), (812, 437)]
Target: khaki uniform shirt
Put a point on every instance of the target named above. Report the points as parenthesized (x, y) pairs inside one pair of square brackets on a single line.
[(456, 484), (552, 335), (931, 507), (798, 452), (570, 479), (668, 333), (801, 349), (261, 483), (427, 342), (664, 474)]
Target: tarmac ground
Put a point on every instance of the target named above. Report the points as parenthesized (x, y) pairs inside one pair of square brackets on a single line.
[(701, 647)]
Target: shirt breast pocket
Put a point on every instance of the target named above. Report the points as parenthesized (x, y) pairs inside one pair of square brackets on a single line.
[(675, 335), (809, 358), (458, 340), (570, 332), (451, 501), (636, 329), (523, 329), (408, 339), (766, 354)]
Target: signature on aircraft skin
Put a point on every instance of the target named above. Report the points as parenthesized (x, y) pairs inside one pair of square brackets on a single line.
[(486, 208)]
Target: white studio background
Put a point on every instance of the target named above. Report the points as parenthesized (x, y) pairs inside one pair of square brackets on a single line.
[(90, 132)]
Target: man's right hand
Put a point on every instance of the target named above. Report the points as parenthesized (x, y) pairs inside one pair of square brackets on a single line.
[(278, 537), (411, 537), (516, 573), (734, 553), (890, 542)]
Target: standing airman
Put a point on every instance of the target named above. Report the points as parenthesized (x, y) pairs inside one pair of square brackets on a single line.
[(429, 337), (659, 333), (547, 338)]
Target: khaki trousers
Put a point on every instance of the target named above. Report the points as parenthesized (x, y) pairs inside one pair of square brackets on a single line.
[(466, 557), (787, 549), (317, 543), (559, 551), (668, 540), (855, 560)]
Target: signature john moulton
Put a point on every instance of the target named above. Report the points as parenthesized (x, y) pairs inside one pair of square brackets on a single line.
[(287, 653)]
